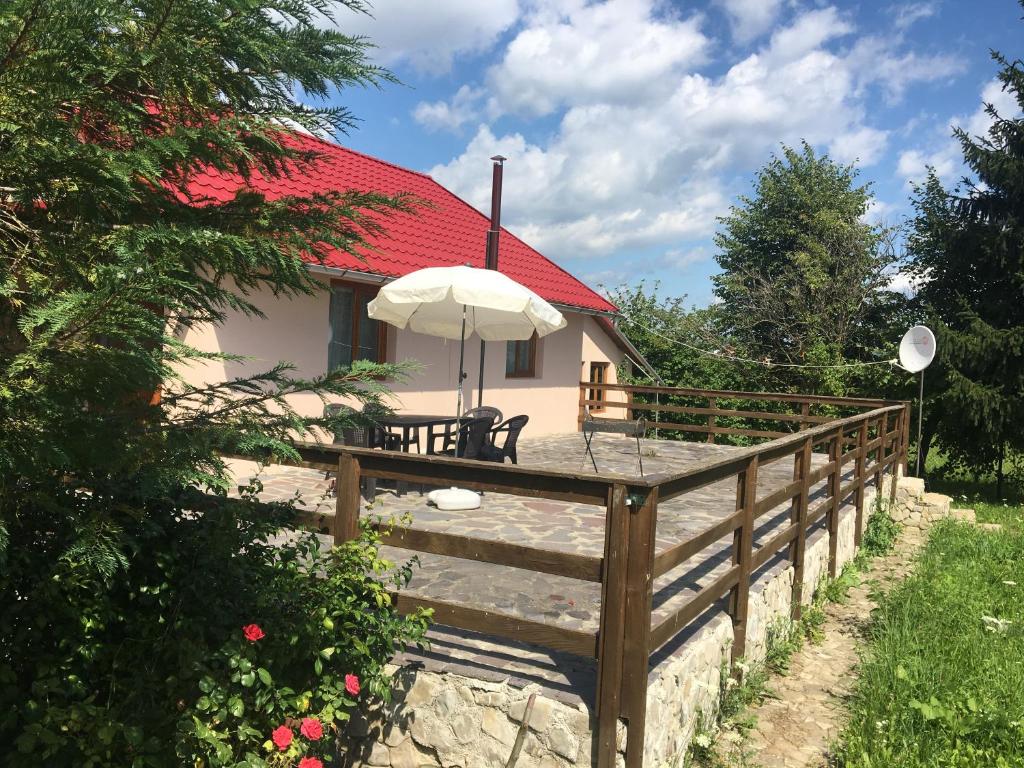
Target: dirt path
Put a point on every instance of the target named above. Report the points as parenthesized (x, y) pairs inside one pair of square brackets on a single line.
[(796, 729)]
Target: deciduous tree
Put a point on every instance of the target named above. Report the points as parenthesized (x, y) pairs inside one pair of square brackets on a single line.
[(804, 275)]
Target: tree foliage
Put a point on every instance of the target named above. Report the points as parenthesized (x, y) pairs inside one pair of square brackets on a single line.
[(803, 275), (967, 252), (116, 596)]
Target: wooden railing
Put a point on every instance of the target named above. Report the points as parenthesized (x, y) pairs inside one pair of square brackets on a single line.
[(859, 448), (708, 413)]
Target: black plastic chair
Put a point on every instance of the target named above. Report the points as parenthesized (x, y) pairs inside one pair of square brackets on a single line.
[(484, 410), (448, 436), (356, 435), (511, 428), (472, 439), (378, 436)]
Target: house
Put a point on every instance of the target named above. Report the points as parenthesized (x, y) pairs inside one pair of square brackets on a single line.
[(539, 377)]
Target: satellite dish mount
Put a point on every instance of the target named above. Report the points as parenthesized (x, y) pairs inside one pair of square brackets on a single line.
[(917, 350)]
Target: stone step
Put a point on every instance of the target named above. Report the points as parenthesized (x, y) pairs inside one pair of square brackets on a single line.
[(990, 526), (935, 504), (963, 515)]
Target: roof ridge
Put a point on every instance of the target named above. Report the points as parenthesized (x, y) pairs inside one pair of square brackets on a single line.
[(335, 145)]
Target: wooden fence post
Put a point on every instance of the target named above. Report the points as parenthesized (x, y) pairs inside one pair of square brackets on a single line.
[(637, 641), (583, 408), (805, 410), (879, 452), (860, 465), (346, 515), (712, 401), (611, 637), (835, 454), (904, 454), (894, 463), (742, 554), (802, 472)]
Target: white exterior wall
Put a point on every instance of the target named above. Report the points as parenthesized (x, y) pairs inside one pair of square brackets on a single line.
[(296, 330)]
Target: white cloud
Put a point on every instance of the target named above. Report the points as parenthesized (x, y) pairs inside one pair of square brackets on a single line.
[(618, 51), (876, 60), (863, 146), (641, 149), (429, 34), (910, 13), (808, 32), (943, 152), (450, 115), (905, 283), (750, 19)]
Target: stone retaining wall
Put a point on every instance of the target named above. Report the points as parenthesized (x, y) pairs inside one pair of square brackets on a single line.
[(455, 720)]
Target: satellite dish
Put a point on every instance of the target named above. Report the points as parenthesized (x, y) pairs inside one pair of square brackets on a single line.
[(917, 349)]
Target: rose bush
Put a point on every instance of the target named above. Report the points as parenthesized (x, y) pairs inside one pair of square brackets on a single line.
[(330, 627)]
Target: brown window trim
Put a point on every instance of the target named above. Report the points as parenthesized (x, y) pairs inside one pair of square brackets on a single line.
[(597, 394), (371, 292), (530, 371)]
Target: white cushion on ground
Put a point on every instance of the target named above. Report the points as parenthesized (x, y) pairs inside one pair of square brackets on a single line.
[(454, 499)]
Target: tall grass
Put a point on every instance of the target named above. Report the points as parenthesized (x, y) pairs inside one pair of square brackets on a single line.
[(942, 681)]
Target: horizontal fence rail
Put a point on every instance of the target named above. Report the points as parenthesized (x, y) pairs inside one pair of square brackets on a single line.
[(662, 407), (834, 456)]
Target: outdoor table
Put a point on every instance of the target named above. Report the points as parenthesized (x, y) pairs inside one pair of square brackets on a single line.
[(410, 425)]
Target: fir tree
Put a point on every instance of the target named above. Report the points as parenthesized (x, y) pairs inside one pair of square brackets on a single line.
[(115, 595), (967, 249)]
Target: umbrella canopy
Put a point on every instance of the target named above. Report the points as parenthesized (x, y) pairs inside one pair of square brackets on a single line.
[(452, 302)]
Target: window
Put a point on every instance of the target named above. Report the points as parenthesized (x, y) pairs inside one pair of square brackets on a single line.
[(598, 375), (521, 359), (353, 335)]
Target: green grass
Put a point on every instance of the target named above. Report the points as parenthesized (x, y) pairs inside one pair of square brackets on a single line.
[(941, 685), (978, 492)]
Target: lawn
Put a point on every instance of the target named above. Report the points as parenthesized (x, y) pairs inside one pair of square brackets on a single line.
[(942, 680), (978, 492)]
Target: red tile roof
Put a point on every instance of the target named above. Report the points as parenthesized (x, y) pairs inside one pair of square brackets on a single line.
[(447, 232)]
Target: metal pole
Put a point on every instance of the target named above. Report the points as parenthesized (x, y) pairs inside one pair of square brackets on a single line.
[(920, 414), (491, 261), (462, 375)]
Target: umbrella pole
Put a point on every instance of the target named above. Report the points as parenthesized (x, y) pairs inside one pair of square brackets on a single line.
[(462, 375)]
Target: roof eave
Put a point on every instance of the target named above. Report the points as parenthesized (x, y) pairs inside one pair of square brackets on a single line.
[(340, 273)]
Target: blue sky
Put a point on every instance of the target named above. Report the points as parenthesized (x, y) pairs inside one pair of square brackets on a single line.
[(629, 125)]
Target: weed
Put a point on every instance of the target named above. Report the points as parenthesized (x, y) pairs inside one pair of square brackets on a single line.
[(880, 534), (785, 637)]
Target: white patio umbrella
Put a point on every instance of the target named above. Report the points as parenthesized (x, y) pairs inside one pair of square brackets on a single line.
[(453, 302)]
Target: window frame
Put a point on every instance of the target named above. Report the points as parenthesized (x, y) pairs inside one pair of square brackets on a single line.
[(359, 290), (530, 371), (598, 394)]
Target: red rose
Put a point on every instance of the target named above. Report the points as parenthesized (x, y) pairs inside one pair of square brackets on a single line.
[(310, 762), (253, 632), (311, 728), (282, 736), (352, 685)]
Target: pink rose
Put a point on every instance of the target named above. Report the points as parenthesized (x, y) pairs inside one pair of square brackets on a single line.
[(282, 737), (253, 632), (310, 762), (311, 728), (352, 685)]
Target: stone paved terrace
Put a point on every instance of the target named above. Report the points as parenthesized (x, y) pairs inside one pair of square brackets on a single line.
[(559, 526)]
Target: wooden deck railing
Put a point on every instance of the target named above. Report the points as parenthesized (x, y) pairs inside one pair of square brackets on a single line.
[(762, 415), (859, 449)]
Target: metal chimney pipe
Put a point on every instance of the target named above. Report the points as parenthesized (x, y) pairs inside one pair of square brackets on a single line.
[(491, 259)]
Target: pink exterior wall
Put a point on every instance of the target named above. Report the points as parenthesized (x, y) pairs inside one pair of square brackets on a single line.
[(296, 330)]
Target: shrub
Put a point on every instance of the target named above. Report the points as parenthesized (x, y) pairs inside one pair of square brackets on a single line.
[(124, 587)]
